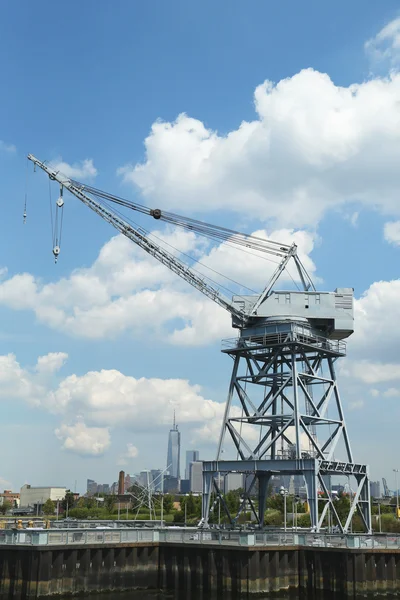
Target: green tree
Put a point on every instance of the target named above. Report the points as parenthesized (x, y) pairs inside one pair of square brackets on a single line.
[(69, 500), (168, 503), (232, 501), (5, 507), (109, 503), (48, 507), (275, 502)]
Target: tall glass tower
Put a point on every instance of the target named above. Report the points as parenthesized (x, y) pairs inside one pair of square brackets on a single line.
[(191, 456), (174, 451)]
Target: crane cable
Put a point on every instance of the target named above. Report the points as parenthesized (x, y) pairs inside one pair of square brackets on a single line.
[(57, 235), (162, 241), (102, 201), (26, 192), (206, 229)]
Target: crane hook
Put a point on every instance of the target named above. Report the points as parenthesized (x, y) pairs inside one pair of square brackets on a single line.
[(56, 252)]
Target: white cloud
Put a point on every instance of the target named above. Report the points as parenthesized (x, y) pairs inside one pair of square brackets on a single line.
[(83, 170), (83, 440), (391, 393), (8, 148), (126, 290), (373, 373), (314, 146), (377, 324), (391, 232), (356, 405), (51, 362), (385, 46), (108, 397), (16, 382), (130, 453)]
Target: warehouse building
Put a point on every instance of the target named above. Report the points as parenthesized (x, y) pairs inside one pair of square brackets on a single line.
[(37, 496)]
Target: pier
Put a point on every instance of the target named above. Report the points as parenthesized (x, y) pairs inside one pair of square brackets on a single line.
[(53, 562)]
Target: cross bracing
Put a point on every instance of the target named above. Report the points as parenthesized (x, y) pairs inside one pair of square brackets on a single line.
[(284, 409)]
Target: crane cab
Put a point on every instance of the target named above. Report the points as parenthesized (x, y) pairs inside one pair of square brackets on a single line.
[(331, 313)]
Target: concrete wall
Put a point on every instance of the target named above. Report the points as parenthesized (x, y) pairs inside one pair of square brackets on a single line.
[(209, 571)]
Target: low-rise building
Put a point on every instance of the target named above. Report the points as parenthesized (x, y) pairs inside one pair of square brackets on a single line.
[(10, 497), (37, 496)]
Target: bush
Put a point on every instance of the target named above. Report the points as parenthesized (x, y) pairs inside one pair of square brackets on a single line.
[(179, 516), (389, 523), (79, 513), (304, 520), (273, 518)]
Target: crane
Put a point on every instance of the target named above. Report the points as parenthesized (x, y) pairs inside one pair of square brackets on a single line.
[(286, 349), (245, 310)]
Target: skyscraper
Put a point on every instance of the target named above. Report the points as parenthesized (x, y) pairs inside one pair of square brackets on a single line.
[(196, 477), (191, 456), (174, 451)]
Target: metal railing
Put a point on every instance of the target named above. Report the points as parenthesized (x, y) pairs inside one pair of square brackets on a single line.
[(62, 537), (277, 338)]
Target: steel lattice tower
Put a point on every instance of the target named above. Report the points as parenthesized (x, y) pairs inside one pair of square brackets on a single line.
[(284, 416)]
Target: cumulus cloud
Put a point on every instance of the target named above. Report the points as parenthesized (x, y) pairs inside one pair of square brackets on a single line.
[(27, 384), (127, 290), (103, 400), (385, 46), (83, 170), (372, 368), (130, 453), (373, 373), (391, 232), (314, 146), (8, 148), (51, 363), (110, 397), (83, 440), (377, 318)]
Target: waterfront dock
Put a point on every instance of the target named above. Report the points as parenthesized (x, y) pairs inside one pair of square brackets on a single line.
[(52, 562)]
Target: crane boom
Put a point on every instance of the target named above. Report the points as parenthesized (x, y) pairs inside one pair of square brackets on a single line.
[(163, 256), (94, 199)]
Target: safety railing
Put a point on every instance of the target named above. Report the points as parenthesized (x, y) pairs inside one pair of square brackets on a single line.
[(79, 537), (299, 335)]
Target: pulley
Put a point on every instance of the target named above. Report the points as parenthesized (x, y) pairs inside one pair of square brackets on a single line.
[(58, 222)]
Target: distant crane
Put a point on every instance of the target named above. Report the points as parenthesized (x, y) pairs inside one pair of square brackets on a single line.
[(386, 491), (283, 413)]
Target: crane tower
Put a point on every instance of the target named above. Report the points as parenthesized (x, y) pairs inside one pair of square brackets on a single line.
[(283, 415)]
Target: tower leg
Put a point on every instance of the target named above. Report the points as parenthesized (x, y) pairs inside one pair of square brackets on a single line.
[(311, 479), (263, 482), (205, 506)]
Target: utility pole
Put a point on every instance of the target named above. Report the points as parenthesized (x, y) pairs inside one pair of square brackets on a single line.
[(162, 498), (397, 492), (284, 492)]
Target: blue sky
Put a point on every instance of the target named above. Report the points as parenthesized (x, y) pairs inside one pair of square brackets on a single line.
[(88, 81)]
